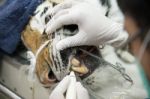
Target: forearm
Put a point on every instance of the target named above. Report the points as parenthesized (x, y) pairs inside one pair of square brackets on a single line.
[(116, 15), (119, 37)]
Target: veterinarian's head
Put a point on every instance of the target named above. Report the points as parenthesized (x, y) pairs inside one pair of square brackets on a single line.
[(137, 24)]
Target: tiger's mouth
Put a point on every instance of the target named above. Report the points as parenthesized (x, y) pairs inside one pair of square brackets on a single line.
[(79, 62)]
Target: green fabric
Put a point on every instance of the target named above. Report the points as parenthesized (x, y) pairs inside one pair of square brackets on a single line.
[(146, 82)]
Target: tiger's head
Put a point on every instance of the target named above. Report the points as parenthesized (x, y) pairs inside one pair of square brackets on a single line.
[(52, 65)]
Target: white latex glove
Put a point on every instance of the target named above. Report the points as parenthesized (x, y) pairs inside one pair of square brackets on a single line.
[(73, 89), (82, 93), (94, 28)]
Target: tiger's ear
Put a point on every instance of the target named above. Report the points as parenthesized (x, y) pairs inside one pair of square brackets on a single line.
[(31, 39)]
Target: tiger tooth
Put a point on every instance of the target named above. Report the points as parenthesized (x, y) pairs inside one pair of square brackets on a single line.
[(75, 62), (82, 69)]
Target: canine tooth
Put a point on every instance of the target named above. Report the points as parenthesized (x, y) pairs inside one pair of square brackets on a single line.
[(82, 69), (75, 62)]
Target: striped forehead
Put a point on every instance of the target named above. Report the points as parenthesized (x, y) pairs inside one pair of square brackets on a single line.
[(38, 21)]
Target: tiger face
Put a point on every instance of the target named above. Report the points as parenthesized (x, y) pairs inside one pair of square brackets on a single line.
[(52, 65)]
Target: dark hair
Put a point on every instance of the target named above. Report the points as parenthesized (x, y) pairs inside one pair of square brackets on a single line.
[(139, 10)]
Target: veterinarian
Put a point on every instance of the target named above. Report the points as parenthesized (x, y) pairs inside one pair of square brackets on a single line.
[(96, 29)]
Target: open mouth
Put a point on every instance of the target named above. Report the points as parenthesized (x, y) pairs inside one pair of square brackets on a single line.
[(74, 59), (79, 62)]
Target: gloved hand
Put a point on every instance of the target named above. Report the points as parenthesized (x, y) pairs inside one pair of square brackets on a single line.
[(94, 28), (73, 89)]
